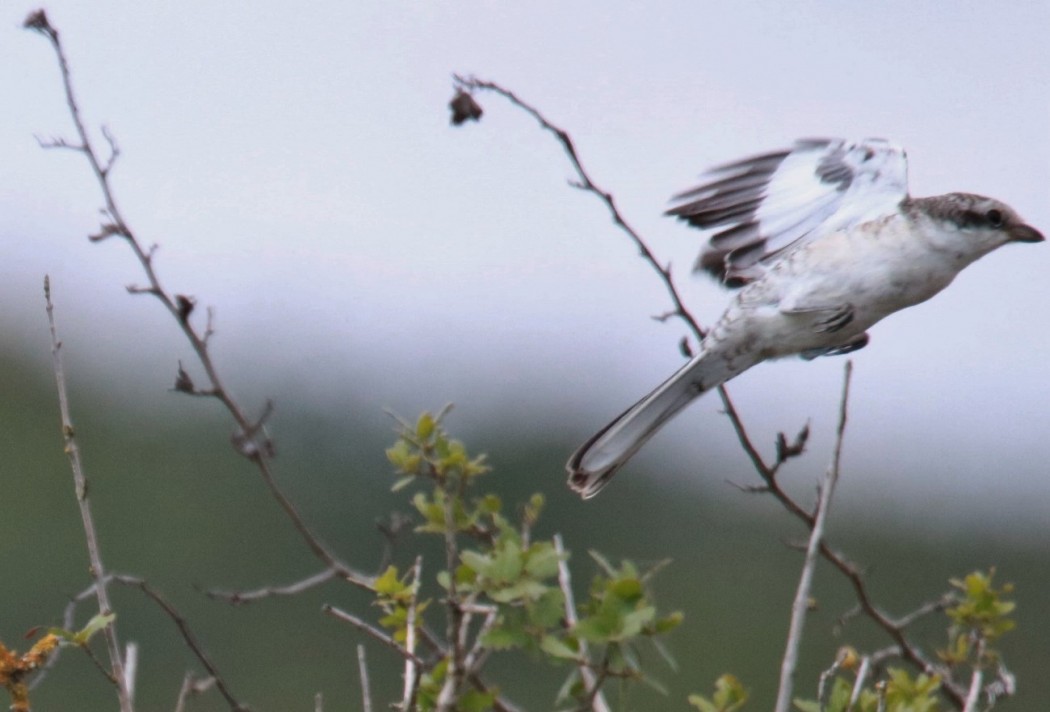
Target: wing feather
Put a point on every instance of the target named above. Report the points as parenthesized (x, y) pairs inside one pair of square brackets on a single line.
[(773, 202)]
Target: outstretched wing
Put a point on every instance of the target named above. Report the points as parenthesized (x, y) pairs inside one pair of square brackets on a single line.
[(770, 203)]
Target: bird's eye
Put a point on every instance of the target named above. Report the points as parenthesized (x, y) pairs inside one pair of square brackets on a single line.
[(994, 217)]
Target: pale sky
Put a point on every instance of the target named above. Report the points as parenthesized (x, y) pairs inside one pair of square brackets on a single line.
[(295, 164)]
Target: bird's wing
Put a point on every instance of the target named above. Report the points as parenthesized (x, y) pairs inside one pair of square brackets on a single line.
[(767, 204)]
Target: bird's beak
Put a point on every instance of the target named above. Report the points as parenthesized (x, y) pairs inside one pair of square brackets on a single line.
[(1024, 233)]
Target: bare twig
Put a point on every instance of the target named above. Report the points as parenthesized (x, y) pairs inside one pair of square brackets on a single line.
[(802, 595), (250, 439), (370, 631), (1004, 685), (973, 696), (192, 686), (408, 698), (97, 570), (585, 183), (366, 688), (858, 684), (187, 636), (131, 668), (241, 597), (924, 610), (478, 654), (590, 680), (825, 678), (457, 621)]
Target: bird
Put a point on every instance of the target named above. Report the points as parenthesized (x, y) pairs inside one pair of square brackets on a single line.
[(820, 241)]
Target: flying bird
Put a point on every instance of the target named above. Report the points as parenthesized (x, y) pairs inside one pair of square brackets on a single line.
[(823, 241)]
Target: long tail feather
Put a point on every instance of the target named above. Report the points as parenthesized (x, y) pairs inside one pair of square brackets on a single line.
[(598, 459)]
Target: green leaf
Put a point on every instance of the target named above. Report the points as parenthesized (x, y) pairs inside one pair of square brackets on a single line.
[(397, 454), (596, 629), (557, 648), (536, 502), (476, 701), (389, 584), (490, 504), (522, 590), (705, 705), (547, 609), (97, 623), (730, 696), (425, 426), (402, 483), (542, 560), (505, 638), (506, 564), (433, 511), (668, 623), (627, 589), (480, 563), (635, 621)]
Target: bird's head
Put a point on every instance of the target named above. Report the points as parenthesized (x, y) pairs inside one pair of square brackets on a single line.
[(983, 223)]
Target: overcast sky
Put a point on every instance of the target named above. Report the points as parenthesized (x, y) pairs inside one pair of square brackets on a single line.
[(295, 164)]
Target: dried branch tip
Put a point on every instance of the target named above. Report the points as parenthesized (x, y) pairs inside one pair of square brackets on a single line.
[(107, 230), (787, 450), (183, 382), (464, 108), (37, 21), (185, 306)]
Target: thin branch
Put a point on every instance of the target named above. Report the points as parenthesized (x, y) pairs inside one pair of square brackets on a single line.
[(184, 692), (131, 668), (825, 678), (1004, 685), (802, 595), (250, 439), (97, 570), (478, 653), (591, 685), (858, 684), (924, 610), (411, 677), (187, 636), (457, 622), (191, 686), (973, 696), (370, 631), (585, 183), (238, 598), (366, 688)]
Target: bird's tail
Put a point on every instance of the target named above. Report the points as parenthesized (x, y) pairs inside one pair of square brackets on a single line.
[(598, 459)]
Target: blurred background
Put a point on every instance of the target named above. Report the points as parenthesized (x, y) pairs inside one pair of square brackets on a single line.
[(295, 166)]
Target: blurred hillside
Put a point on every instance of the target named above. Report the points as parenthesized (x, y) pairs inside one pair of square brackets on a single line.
[(175, 505)]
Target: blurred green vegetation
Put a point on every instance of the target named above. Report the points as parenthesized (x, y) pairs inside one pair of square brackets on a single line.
[(175, 505)]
